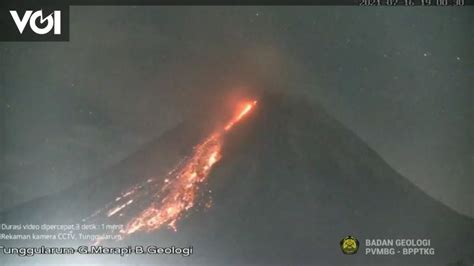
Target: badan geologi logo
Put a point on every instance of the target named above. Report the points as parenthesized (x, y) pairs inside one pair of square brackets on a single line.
[(349, 245), (34, 23)]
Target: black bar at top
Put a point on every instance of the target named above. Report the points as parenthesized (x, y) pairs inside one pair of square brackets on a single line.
[(362, 3)]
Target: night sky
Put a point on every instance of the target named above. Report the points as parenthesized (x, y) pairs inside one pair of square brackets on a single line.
[(400, 78)]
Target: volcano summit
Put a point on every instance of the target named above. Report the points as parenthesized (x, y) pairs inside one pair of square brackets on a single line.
[(289, 184)]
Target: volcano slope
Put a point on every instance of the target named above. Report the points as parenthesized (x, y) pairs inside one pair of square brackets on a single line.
[(292, 182)]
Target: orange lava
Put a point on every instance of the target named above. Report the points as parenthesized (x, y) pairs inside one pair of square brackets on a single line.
[(170, 200), (181, 191), (240, 115)]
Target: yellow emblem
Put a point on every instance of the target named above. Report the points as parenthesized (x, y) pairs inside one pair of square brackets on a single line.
[(349, 245)]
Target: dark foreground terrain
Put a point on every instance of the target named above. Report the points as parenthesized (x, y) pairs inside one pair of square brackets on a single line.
[(291, 183)]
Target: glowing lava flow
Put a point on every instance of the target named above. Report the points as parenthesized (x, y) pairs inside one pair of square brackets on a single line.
[(181, 189), (169, 201), (247, 108)]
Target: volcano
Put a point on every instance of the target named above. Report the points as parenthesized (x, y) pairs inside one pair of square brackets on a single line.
[(291, 182)]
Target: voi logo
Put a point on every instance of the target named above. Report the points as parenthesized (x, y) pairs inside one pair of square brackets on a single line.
[(38, 24)]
